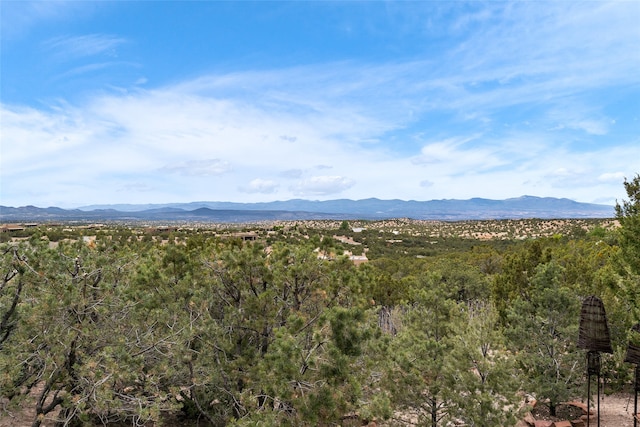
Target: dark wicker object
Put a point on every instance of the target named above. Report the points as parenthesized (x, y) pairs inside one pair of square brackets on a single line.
[(633, 351), (594, 331)]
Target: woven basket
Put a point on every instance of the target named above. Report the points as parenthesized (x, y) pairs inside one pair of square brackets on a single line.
[(633, 351), (594, 331)]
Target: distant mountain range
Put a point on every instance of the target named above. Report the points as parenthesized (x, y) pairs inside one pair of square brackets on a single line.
[(298, 209)]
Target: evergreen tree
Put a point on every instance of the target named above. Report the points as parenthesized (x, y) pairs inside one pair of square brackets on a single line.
[(628, 213), (485, 382), (542, 330), (418, 377)]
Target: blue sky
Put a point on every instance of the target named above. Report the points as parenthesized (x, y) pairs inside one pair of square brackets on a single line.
[(154, 102)]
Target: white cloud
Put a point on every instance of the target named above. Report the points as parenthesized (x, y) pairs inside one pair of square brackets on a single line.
[(32, 138), (322, 185), (209, 167), (593, 127), (263, 186), (583, 118), (614, 177), (455, 155)]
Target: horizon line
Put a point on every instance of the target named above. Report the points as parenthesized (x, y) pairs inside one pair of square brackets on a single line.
[(94, 206)]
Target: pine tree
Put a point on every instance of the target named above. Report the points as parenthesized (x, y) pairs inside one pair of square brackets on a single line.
[(628, 213)]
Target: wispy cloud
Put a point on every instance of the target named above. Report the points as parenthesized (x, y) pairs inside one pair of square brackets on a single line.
[(262, 186), (69, 47), (209, 167), (500, 114), (322, 185), (614, 177), (454, 151), (541, 60), (20, 17), (89, 68)]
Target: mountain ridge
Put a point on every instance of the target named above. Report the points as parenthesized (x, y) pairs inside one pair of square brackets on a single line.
[(371, 208)]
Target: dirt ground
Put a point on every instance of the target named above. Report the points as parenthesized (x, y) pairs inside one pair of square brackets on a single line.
[(615, 411)]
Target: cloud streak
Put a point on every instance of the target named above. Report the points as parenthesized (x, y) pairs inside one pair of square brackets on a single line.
[(70, 47), (19, 17), (208, 167)]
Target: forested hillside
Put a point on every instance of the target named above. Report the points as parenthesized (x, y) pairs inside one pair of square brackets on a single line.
[(279, 325)]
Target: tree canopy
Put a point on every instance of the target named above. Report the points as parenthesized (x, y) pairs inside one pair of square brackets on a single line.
[(127, 325)]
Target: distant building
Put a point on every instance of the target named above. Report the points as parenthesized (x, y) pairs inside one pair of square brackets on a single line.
[(358, 259), (12, 228), (246, 236)]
